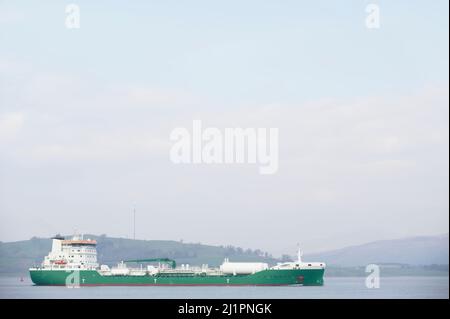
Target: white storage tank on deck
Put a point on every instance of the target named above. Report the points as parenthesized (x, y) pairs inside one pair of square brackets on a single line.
[(242, 268), (120, 271)]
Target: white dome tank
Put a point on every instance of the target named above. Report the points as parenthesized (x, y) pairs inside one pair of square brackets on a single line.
[(242, 268)]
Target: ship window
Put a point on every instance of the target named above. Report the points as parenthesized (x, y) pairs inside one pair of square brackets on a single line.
[(309, 264)]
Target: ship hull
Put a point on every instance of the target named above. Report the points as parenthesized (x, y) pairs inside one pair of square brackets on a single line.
[(270, 277)]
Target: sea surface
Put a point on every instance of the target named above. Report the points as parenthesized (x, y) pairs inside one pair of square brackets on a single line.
[(335, 287)]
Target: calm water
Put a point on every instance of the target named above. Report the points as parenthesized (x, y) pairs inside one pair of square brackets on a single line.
[(390, 287)]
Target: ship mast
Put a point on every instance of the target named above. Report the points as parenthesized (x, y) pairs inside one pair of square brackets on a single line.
[(299, 254)]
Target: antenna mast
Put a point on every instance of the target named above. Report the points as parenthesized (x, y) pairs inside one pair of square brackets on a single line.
[(134, 222)]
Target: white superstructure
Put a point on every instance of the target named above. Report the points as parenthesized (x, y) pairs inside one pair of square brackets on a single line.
[(74, 253), (299, 264)]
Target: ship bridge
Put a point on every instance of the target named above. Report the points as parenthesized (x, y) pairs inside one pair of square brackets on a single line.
[(74, 253)]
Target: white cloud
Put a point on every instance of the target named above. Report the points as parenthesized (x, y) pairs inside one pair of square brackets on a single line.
[(9, 16), (342, 161), (99, 148), (10, 125)]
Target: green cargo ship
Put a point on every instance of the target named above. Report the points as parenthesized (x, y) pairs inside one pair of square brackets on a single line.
[(73, 262)]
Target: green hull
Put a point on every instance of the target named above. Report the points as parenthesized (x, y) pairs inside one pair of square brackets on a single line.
[(306, 277)]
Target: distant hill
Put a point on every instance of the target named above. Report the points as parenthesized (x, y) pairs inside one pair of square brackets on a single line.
[(411, 256), (424, 250), (17, 257)]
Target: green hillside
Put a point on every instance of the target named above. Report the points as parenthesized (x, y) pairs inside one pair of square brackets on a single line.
[(17, 257)]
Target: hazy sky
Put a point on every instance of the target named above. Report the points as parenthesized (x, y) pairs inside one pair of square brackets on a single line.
[(85, 118)]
